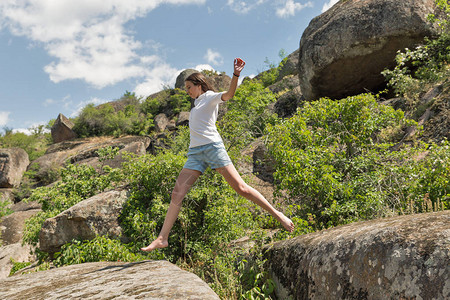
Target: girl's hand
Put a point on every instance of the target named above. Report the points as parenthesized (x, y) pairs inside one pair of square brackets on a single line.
[(238, 65)]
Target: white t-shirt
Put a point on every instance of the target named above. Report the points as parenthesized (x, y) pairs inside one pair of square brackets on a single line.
[(202, 119)]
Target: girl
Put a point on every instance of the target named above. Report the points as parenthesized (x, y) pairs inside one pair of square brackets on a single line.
[(207, 149)]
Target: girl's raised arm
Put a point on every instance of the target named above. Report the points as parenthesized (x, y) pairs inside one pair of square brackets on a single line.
[(238, 66)]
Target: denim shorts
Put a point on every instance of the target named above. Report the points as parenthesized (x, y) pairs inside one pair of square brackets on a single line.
[(213, 155)]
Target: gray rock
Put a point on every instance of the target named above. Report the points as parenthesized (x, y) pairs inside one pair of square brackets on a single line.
[(97, 215), (12, 226), (6, 195), (108, 280), (18, 253), (290, 65), (161, 122), (183, 118), (181, 78), (343, 50), (13, 163), (405, 257), (286, 105), (62, 129)]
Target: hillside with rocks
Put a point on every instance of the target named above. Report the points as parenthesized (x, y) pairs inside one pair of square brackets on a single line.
[(97, 193)]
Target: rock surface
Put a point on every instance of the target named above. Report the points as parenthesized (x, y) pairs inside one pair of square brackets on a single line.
[(84, 151), (343, 50), (161, 121), (18, 253), (97, 215), (108, 280), (12, 226), (13, 163), (406, 257), (62, 129)]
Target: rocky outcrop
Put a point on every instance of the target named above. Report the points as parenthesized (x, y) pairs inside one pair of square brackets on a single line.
[(12, 226), (289, 65), (62, 129), (181, 78), (85, 152), (97, 215), (287, 103), (406, 257), (108, 280), (343, 50), (13, 163), (15, 252)]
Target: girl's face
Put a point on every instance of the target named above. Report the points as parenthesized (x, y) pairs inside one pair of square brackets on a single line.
[(193, 90)]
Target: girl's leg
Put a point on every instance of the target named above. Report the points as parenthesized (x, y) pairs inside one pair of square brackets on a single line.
[(232, 176), (184, 182)]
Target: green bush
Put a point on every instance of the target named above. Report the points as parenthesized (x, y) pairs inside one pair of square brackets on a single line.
[(99, 249), (35, 144), (247, 116), (428, 63), (333, 163)]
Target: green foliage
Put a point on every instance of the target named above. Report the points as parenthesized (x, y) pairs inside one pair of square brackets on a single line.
[(270, 76), (247, 115), (4, 207), (334, 165), (126, 118), (78, 182), (35, 144), (18, 266), (426, 63), (170, 102), (99, 249)]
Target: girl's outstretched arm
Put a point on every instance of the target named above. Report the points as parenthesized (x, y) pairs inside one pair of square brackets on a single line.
[(238, 66)]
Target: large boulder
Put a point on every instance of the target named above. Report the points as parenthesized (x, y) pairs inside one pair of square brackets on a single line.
[(13, 163), (108, 280), (161, 121), (343, 50), (62, 129), (97, 215), (181, 78), (12, 226), (406, 257), (15, 252)]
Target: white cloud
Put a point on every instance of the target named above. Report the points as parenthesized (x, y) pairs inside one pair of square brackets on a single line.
[(213, 57), (244, 7), (159, 76), (4, 117), (204, 67), (87, 39), (328, 5), (290, 8), (30, 130)]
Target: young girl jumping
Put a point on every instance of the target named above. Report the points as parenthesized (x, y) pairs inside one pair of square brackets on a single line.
[(207, 149)]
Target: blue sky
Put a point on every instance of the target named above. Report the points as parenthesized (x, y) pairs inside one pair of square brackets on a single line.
[(56, 56)]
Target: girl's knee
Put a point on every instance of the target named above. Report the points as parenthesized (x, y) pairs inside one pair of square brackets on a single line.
[(244, 190)]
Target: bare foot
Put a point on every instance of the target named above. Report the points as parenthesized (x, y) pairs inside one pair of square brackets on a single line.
[(286, 222), (156, 244)]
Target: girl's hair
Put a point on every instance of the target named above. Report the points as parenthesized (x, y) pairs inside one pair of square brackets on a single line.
[(200, 79)]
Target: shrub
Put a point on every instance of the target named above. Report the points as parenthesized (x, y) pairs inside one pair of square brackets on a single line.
[(247, 116), (334, 166)]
